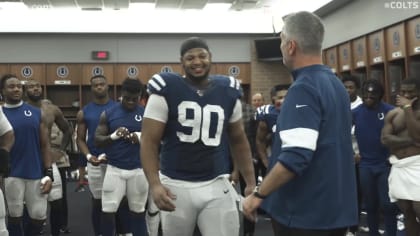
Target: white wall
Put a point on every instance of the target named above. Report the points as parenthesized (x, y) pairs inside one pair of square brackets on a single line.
[(135, 48), (360, 17)]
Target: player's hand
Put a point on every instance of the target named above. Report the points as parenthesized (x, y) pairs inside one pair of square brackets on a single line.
[(163, 198), (46, 187), (250, 206), (133, 138), (121, 132), (102, 158), (357, 158), (94, 161), (401, 101)]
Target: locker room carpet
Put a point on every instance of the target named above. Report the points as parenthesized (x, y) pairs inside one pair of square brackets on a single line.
[(79, 216)]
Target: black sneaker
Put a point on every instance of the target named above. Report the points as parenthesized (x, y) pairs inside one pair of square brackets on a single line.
[(65, 230), (80, 188)]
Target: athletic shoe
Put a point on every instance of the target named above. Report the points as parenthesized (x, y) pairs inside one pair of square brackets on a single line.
[(80, 188), (65, 230)]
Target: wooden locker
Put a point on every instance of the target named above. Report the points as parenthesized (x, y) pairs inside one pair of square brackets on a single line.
[(413, 36), (376, 48), (344, 57), (331, 59), (395, 42)]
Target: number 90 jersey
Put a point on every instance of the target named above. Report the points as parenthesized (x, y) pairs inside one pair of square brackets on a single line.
[(195, 143)]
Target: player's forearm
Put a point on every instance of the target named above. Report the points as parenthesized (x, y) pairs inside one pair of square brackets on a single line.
[(395, 142), (66, 139), (150, 163), (241, 153), (261, 151), (82, 146), (277, 177), (102, 140)]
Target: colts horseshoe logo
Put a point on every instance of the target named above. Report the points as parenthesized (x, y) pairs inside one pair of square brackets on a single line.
[(381, 116), (27, 113), (138, 118)]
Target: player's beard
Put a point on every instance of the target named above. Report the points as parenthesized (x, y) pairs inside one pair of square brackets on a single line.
[(198, 79), (34, 98)]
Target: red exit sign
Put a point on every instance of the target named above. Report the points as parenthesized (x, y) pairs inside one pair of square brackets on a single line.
[(100, 55)]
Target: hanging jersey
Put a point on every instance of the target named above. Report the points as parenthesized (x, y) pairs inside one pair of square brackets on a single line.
[(25, 155), (122, 153), (91, 115), (195, 144)]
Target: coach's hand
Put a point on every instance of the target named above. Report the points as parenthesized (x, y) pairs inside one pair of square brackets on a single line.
[(163, 198)]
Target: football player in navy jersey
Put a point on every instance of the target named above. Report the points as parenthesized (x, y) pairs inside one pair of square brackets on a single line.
[(195, 122), (266, 116), (31, 174), (87, 122), (7, 139), (53, 115), (119, 131)]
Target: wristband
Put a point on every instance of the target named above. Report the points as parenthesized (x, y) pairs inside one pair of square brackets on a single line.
[(88, 156), (49, 173), (45, 179), (138, 135), (406, 106), (102, 157), (114, 136)]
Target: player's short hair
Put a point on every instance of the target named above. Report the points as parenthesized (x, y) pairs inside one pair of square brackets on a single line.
[(97, 76), (4, 78), (277, 88), (132, 85), (353, 79), (193, 42), (416, 82)]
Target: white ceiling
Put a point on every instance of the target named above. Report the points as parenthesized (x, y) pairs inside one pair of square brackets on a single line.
[(158, 4), (153, 16)]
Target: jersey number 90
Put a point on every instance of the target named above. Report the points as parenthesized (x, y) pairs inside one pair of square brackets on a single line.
[(200, 123)]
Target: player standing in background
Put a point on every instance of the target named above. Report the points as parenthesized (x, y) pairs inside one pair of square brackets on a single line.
[(53, 115), (31, 174), (119, 132)]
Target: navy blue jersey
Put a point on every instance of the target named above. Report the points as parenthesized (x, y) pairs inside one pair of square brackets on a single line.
[(195, 144), (122, 153), (313, 140), (268, 114), (91, 115), (25, 156), (368, 124)]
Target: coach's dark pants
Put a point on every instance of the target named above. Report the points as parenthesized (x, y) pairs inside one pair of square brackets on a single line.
[(281, 230)]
